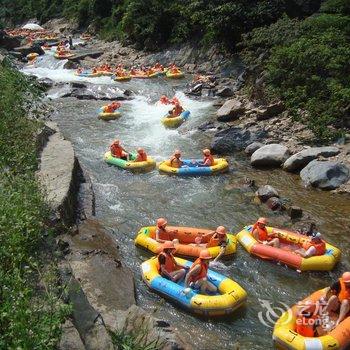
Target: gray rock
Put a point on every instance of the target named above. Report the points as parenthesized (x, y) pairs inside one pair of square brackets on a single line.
[(225, 92), (70, 339), (299, 160), (274, 203), (71, 65), (265, 192), (272, 155), (326, 175), (250, 149), (27, 49), (230, 110), (81, 54), (207, 126), (46, 83), (235, 139), (269, 111), (8, 42)]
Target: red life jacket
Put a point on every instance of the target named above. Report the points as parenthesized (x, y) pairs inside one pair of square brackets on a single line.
[(170, 263), (164, 235), (202, 272), (344, 293), (262, 233), (141, 157), (320, 247), (305, 326), (116, 150)]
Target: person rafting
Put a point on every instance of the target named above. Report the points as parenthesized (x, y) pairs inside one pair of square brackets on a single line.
[(164, 100), (208, 159), (175, 160), (141, 155), (163, 234), (308, 319), (261, 234), (315, 247), (176, 111), (197, 275), (118, 151), (167, 265), (340, 298), (112, 107)]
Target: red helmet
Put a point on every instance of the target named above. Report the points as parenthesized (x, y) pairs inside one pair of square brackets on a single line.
[(140, 150), (161, 222), (205, 255), (221, 230)]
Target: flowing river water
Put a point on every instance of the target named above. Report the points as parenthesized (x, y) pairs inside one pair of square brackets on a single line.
[(125, 202)]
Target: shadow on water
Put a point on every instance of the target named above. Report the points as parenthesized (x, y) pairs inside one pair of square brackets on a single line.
[(126, 202)]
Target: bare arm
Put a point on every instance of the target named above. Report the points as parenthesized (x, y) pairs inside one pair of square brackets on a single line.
[(194, 271)]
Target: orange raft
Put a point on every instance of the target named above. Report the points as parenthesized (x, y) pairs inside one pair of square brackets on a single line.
[(286, 338), (186, 236), (289, 242)]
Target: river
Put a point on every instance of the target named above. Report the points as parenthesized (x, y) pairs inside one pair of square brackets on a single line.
[(125, 202)]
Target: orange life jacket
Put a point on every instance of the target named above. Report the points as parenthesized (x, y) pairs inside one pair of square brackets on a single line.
[(175, 162), (170, 263), (344, 293), (109, 109), (262, 233), (208, 160), (202, 272), (141, 157), (320, 247), (177, 110), (215, 240), (164, 235), (116, 150), (305, 326)]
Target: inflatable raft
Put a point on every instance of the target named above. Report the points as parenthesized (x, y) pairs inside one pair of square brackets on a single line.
[(109, 116), (130, 165), (191, 168), (186, 235), (289, 241), (122, 78), (174, 75), (88, 74), (64, 57), (286, 338), (230, 294), (176, 121), (144, 76)]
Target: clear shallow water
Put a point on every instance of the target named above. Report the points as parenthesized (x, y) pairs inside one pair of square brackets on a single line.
[(126, 202)]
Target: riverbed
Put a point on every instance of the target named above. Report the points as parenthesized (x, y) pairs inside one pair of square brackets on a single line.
[(125, 202)]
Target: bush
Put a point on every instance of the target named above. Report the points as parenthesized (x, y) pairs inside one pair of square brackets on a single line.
[(30, 316)]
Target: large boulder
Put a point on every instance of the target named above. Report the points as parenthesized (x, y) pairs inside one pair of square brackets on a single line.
[(27, 49), (265, 192), (8, 42), (272, 155), (269, 111), (224, 92), (230, 110), (250, 149), (326, 175), (235, 139), (299, 160)]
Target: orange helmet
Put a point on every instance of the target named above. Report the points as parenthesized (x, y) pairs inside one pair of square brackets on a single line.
[(168, 245), (206, 152), (204, 254), (346, 277), (140, 150), (161, 222), (117, 142), (221, 230), (262, 221)]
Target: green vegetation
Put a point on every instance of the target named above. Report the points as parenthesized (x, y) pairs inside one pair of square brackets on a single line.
[(30, 309), (306, 63), (134, 341)]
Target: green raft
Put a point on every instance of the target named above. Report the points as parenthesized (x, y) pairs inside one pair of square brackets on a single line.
[(130, 164)]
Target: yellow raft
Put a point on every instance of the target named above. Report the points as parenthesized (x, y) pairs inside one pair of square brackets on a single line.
[(230, 294), (147, 165), (122, 78), (190, 167), (186, 235), (174, 75), (64, 57), (109, 116), (286, 256), (286, 338)]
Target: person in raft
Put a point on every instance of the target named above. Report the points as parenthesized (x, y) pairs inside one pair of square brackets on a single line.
[(141, 155), (163, 234), (208, 159), (218, 238), (175, 160), (197, 275), (168, 267), (176, 111), (118, 151), (112, 107), (164, 100), (308, 318), (315, 247), (260, 233), (340, 298)]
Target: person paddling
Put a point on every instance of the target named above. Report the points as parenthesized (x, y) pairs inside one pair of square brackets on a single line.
[(118, 151)]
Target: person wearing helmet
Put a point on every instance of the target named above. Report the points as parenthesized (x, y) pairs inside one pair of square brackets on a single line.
[(112, 107), (163, 234), (141, 155), (261, 234), (308, 319), (314, 247), (197, 275), (118, 151), (167, 265), (217, 238), (208, 159), (176, 111), (175, 160), (340, 298), (164, 100)]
